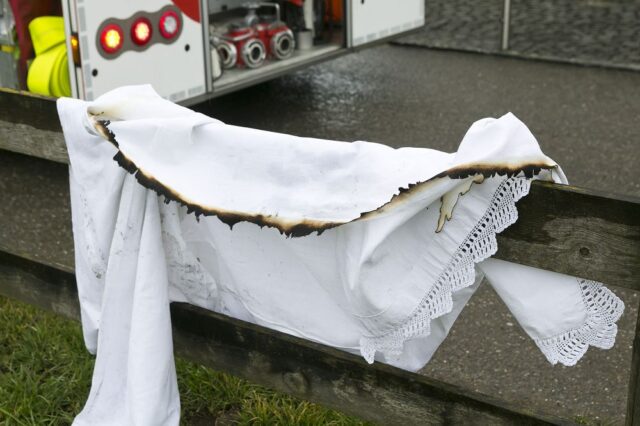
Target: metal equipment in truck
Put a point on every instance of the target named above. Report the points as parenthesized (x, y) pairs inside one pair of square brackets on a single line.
[(192, 50)]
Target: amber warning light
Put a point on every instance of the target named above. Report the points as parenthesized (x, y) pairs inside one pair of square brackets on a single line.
[(111, 38), (75, 49)]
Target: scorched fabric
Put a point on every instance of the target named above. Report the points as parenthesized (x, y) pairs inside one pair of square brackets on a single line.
[(359, 246)]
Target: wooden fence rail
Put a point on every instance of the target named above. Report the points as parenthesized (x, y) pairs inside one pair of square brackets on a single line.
[(561, 228)]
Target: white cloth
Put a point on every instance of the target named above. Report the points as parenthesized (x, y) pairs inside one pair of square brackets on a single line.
[(387, 248)]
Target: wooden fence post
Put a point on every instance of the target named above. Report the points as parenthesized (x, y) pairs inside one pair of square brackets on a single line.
[(633, 398)]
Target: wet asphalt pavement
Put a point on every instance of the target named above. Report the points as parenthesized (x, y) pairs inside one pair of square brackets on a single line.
[(603, 32), (585, 118)]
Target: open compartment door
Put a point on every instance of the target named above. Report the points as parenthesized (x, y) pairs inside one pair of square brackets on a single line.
[(372, 20)]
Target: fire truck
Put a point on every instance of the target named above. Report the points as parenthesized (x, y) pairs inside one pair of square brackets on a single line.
[(188, 50)]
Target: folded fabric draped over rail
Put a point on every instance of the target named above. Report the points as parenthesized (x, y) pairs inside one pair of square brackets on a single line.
[(358, 246)]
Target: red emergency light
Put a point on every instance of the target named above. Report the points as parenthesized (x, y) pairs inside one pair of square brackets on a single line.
[(141, 31), (111, 38), (169, 24)]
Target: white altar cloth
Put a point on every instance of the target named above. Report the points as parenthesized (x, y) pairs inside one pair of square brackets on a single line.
[(359, 246)]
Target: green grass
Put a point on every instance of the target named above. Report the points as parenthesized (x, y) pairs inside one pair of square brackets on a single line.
[(45, 375)]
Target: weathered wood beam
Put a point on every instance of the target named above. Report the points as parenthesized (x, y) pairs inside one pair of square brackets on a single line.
[(29, 125), (633, 397), (45, 286), (378, 392), (577, 232), (39, 112), (561, 228)]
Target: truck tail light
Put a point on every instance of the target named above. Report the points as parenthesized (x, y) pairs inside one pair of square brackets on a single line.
[(111, 38), (169, 24), (141, 31)]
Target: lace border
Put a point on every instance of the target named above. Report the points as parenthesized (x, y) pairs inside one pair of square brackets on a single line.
[(603, 310), (479, 245)]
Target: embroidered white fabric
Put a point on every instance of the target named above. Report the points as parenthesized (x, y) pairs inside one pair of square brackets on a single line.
[(389, 244), (479, 245), (603, 311)]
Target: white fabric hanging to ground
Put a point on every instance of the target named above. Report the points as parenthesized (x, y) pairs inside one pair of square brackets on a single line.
[(359, 246)]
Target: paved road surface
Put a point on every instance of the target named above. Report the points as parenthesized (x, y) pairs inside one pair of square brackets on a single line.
[(602, 32), (586, 119)]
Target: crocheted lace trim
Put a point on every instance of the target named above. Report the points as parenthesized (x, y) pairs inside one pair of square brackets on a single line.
[(479, 244), (603, 310)]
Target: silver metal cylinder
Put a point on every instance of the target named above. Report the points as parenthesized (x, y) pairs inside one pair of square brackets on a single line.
[(254, 53), (228, 54), (283, 44)]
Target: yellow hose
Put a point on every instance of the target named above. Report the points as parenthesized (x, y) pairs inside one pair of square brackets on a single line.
[(49, 73)]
